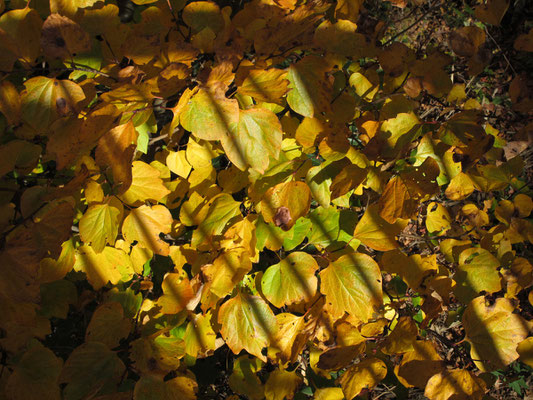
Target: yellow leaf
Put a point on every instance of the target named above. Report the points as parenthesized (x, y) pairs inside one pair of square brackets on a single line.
[(66, 148), (144, 224), (99, 226), (457, 384), (438, 219), (181, 387), (46, 99), (247, 323), (221, 210), (256, 138), (352, 284), (402, 338), (413, 270), (282, 384), (332, 393), (290, 338), (108, 325), (367, 374), (419, 364), (348, 179), (477, 271), (291, 280), (199, 336), (203, 14), (115, 150), (10, 103), (284, 203), (375, 232), (177, 292), (139, 256), (177, 163), (525, 349), (227, 270), (265, 85), (157, 357), (52, 270), (310, 94), (210, 117), (523, 204), (146, 185), (401, 196), (493, 332), (460, 187), (244, 379), (111, 265), (22, 29)]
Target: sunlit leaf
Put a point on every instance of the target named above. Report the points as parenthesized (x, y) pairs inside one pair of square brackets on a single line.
[(477, 271), (177, 292), (291, 280), (282, 384), (256, 138), (199, 336), (144, 225), (99, 226), (244, 379), (46, 99), (455, 384), (493, 332), (247, 323), (111, 265), (284, 203), (146, 185), (221, 209), (309, 93), (367, 374), (419, 364), (375, 232), (210, 117), (352, 284)]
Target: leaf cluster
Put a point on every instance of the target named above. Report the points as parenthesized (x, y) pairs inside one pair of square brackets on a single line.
[(181, 181)]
